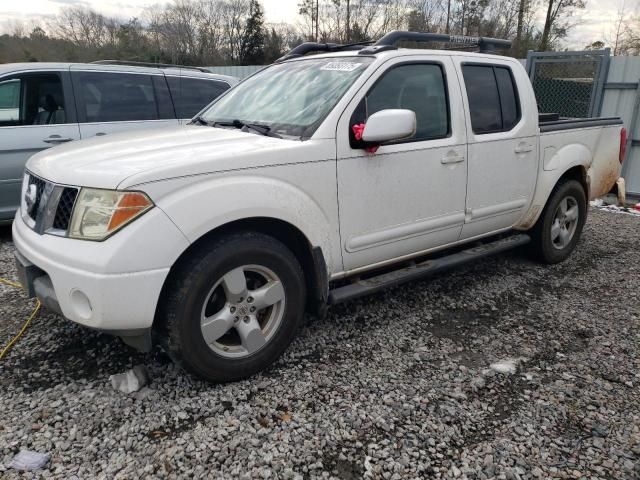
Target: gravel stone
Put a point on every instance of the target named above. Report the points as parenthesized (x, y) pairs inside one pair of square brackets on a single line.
[(393, 386)]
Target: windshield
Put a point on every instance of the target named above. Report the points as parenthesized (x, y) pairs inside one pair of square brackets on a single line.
[(291, 98)]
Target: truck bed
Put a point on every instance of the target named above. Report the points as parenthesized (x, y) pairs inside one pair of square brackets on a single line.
[(595, 139)]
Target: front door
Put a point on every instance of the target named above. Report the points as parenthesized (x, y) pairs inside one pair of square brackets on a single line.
[(408, 196), (503, 143), (36, 112)]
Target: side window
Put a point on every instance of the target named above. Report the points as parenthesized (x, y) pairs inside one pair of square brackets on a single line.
[(32, 99), (115, 97), (493, 99), (508, 98), (10, 101), (190, 95), (417, 87)]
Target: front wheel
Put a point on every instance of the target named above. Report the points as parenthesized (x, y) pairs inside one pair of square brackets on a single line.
[(558, 229), (233, 306)]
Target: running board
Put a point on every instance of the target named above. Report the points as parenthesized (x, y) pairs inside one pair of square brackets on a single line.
[(423, 269)]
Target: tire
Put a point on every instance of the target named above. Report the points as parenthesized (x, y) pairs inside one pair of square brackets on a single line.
[(557, 232), (232, 306)]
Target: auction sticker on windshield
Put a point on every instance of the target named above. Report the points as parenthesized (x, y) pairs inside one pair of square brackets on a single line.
[(341, 66)]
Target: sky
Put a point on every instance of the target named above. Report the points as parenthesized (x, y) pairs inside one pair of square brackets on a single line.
[(596, 21)]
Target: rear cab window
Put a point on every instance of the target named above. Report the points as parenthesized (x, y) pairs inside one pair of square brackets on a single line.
[(494, 105), (190, 94)]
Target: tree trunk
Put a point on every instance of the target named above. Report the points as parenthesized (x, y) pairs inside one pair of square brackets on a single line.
[(348, 23), (317, 20), (544, 41), (518, 48)]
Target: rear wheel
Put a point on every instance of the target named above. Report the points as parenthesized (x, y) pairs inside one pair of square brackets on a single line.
[(558, 229), (233, 306)]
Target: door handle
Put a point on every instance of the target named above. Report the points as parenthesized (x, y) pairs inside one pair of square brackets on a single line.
[(451, 158), (524, 148), (100, 134), (54, 139)]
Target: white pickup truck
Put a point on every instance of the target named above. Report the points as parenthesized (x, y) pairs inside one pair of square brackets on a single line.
[(319, 179)]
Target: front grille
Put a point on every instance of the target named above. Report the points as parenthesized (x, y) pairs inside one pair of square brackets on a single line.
[(65, 208), (48, 206), (39, 184)]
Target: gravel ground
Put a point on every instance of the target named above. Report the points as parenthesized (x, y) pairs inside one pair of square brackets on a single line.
[(394, 386)]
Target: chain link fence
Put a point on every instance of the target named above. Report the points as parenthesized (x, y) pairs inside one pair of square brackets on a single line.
[(568, 83)]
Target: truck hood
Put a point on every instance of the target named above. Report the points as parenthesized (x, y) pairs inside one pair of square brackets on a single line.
[(125, 159)]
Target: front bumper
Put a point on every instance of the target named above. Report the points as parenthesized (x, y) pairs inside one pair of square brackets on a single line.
[(37, 283), (100, 284)]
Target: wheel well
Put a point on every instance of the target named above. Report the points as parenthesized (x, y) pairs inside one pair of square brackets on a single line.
[(577, 173), (310, 258)]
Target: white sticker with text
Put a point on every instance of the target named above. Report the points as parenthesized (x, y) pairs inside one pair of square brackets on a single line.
[(341, 66)]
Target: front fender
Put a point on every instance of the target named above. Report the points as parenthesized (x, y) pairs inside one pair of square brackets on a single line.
[(202, 206)]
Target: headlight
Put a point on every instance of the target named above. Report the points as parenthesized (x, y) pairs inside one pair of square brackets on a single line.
[(100, 213)]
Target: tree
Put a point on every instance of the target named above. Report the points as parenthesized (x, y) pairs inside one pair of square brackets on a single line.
[(234, 15), (279, 39), (84, 27), (523, 7), (558, 20), (253, 40), (597, 45), (38, 33), (309, 11)]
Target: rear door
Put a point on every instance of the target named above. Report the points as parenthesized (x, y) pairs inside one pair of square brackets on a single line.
[(36, 112), (112, 101), (192, 94), (503, 157)]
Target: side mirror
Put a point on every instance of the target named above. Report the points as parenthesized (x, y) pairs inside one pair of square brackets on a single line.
[(389, 125)]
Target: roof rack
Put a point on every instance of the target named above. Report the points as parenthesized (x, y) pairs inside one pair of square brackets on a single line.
[(388, 42), (309, 47), (148, 64), (484, 44)]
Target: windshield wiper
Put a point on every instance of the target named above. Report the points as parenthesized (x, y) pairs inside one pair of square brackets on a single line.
[(200, 121), (256, 127)]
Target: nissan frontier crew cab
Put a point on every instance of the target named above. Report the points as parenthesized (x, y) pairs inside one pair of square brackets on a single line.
[(319, 179)]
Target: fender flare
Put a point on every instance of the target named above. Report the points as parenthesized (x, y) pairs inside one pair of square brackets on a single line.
[(251, 196), (554, 168)]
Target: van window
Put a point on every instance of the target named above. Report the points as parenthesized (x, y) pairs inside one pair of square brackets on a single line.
[(417, 87), (115, 97), (32, 99), (493, 99), (10, 100), (190, 95)]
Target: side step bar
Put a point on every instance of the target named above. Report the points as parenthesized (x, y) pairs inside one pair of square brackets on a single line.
[(424, 269)]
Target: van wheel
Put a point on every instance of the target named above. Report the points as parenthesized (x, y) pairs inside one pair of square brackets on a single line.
[(233, 306), (558, 229)]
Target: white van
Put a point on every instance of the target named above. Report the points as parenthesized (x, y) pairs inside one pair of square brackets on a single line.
[(46, 104)]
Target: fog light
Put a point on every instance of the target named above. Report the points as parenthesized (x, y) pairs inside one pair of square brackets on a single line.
[(81, 304)]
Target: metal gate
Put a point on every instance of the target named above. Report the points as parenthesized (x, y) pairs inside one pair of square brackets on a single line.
[(569, 83)]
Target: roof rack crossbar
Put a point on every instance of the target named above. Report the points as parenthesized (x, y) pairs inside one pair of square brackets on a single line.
[(485, 44), (309, 47), (148, 64)]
